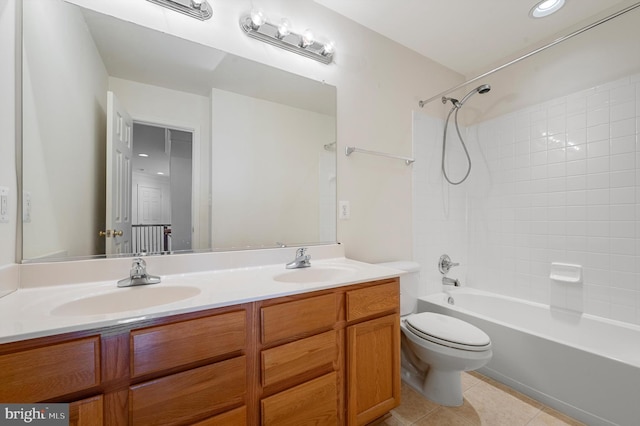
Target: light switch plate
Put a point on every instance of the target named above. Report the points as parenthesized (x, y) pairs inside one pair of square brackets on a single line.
[(4, 204), (26, 207), (344, 210)]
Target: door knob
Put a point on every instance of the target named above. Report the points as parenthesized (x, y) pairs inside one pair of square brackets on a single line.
[(106, 233), (117, 233)]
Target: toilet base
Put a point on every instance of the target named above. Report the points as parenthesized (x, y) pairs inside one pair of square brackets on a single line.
[(441, 387)]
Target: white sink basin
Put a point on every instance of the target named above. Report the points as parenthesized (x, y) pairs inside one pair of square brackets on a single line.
[(125, 299), (315, 274)]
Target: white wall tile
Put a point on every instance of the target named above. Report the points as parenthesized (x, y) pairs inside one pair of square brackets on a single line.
[(598, 133), (623, 111), (597, 117), (623, 144), (623, 128)]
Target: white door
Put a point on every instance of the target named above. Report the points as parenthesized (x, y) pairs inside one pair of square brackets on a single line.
[(119, 160), (149, 205)]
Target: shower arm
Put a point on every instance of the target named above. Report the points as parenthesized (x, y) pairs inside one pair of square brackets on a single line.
[(525, 56)]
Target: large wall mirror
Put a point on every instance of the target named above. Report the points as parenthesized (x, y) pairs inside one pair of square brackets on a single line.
[(135, 141)]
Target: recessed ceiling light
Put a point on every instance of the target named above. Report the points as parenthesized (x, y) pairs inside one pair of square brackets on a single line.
[(143, 155), (545, 8)]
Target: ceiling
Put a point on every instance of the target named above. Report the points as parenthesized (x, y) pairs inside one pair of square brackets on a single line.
[(468, 36)]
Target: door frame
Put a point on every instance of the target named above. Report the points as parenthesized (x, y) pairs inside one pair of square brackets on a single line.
[(194, 129)]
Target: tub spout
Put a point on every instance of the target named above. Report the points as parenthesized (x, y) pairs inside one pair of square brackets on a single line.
[(450, 281)]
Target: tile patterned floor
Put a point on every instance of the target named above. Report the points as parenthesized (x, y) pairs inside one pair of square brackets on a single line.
[(486, 402)]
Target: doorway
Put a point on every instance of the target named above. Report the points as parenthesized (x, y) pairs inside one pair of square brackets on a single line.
[(162, 167)]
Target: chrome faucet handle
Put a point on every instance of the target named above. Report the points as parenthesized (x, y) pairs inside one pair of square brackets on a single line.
[(138, 268), (445, 264), (301, 252)]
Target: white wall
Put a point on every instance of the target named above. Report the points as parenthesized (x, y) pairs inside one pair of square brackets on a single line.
[(379, 84), (258, 150), (440, 210), (60, 212), (8, 281)]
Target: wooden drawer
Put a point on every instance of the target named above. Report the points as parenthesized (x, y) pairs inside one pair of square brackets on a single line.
[(298, 318), (237, 417), (87, 412), (193, 394), (290, 360), (312, 403), (39, 374), (370, 301), (166, 346)]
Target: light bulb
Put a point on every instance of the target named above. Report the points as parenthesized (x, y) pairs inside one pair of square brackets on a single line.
[(197, 4), (328, 48), (307, 38), (257, 18), (545, 8), (284, 29)]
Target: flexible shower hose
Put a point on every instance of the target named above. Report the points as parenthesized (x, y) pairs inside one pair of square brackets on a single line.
[(444, 146)]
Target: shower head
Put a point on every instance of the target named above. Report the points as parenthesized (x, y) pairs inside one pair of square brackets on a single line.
[(480, 89), (484, 89)]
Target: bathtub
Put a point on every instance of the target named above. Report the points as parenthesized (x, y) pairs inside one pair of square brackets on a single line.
[(585, 366)]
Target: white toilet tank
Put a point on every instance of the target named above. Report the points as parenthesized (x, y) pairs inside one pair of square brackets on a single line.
[(409, 284)]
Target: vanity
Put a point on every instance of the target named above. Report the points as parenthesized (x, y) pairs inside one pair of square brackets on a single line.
[(319, 345)]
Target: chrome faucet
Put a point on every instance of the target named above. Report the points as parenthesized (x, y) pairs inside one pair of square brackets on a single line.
[(444, 265), (301, 260), (138, 275)]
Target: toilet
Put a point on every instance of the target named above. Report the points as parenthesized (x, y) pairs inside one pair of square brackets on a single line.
[(436, 348)]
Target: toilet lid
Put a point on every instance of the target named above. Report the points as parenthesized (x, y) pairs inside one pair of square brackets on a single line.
[(448, 331)]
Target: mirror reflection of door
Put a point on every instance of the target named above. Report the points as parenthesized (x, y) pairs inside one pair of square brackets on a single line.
[(161, 188), (117, 231)]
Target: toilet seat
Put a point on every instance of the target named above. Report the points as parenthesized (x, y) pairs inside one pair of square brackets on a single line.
[(448, 331)]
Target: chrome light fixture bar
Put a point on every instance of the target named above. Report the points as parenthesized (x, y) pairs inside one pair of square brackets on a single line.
[(199, 9), (256, 26)]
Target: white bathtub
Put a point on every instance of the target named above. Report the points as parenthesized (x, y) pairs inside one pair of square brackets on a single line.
[(585, 366)]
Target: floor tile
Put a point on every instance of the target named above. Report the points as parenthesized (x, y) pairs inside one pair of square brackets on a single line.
[(442, 417), (413, 406), (550, 417), (486, 402), (493, 406)]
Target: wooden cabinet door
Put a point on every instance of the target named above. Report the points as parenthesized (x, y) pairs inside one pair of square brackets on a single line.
[(87, 412), (373, 369)]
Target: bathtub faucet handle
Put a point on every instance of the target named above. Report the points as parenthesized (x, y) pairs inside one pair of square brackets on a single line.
[(445, 264)]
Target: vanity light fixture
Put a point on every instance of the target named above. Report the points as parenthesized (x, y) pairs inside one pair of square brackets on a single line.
[(256, 26), (199, 9), (545, 8)]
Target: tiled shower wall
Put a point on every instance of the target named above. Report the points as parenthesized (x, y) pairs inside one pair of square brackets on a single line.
[(556, 182)]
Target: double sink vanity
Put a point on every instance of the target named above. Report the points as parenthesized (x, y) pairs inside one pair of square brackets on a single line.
[(223, 345)]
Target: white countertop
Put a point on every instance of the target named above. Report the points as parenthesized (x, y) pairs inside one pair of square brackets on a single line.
[(27, 312)]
